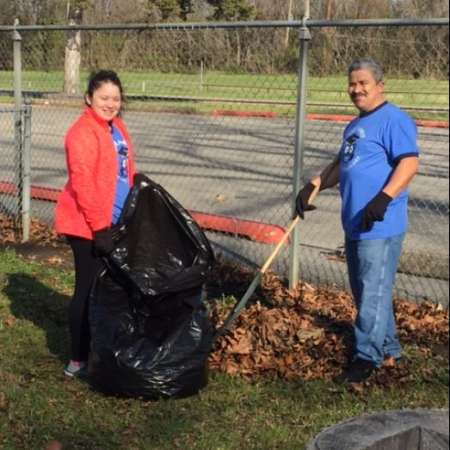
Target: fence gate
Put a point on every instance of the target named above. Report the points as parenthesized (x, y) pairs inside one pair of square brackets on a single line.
[(15, 135)]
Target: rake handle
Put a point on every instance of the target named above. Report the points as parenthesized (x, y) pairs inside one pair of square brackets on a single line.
[(256, 281)]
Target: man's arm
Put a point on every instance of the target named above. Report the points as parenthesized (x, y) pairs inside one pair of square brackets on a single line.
[(403, 174), (399, 181), (329, 176), (327, 179)]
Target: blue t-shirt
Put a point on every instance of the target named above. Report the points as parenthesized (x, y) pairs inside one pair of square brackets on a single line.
[(122, 186), (373, 145)]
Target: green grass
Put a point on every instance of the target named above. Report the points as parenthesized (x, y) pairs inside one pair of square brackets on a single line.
[(215, 86), (37, 404)]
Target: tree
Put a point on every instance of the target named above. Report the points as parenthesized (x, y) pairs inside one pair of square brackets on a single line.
[(233, 10), (73, 51), (163, 10), (186, 8), (199, 10), (290, 16)]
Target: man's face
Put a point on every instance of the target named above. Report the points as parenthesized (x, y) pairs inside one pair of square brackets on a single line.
[(365, 92)]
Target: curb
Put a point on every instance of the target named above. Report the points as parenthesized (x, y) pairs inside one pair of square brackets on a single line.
[(260, 232), (231, 113), (442, 124)]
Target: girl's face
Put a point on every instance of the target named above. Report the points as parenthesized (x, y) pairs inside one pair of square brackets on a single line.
[(106, 101)]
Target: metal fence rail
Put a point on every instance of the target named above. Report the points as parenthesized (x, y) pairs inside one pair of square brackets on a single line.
[(232, 136)]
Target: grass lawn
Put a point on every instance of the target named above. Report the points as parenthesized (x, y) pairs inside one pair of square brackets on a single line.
[(37, 403), (212, 87)]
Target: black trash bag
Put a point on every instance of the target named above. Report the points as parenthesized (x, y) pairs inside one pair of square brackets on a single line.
[(150, 331), (160, 248)]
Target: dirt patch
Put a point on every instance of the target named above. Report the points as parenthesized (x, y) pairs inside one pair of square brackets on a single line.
[(44, 246), (60, 255)]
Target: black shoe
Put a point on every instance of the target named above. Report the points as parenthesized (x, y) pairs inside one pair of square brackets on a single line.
[(360, 370)]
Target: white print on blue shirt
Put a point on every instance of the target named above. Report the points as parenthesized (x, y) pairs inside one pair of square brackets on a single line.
[(348, 151), (122, 186)]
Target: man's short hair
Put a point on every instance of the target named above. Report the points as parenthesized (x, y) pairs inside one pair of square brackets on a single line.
[(367, 64)]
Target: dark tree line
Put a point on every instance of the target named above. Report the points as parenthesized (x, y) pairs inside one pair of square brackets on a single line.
[(407, 52), (31, 12)]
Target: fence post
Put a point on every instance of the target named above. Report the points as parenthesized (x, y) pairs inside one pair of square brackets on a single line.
[(305, 37), (202, 74), (26, 172), (17, 54)]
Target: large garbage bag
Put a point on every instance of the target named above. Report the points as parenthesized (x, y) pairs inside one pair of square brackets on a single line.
[(150, 331)]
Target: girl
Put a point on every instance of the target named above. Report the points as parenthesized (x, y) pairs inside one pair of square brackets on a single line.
[(100, 169)]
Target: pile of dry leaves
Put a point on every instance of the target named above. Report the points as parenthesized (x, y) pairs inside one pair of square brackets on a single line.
[(39, 233), (307, 333)]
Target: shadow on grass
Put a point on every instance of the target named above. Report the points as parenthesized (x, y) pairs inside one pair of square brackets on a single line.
[(44, 307)]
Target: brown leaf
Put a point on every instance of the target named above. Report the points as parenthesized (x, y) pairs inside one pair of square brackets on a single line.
[(10, 321), (4, 402)]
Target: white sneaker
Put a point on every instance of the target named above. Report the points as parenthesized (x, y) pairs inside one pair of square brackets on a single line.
[(76, 369)]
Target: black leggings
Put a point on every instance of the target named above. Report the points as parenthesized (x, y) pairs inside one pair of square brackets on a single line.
[(87, 267)]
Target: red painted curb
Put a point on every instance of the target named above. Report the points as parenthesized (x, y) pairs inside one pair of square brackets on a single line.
[(42, 193), (330, 117), (343, 118), (262, 114), (255, 231), (8, 188), (37, 192), (323, 117), (433, 124)]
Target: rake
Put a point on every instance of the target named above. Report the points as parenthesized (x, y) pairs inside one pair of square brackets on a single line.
[(257, 280)]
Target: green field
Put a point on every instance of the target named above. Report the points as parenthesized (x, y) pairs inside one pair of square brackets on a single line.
[(37, 403), (201, 93)]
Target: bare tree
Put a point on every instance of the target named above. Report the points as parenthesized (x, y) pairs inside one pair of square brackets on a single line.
[(290, 16), (73, 53)]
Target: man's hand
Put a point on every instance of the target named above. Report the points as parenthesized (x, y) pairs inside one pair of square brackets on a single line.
[(375, 211), (103, 242), (302, 201)]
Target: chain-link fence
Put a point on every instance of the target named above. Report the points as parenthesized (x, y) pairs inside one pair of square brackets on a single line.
[(214, 114), (15, 169), (8, 200)]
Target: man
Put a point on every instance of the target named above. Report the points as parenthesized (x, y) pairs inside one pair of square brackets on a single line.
[(378, 159)]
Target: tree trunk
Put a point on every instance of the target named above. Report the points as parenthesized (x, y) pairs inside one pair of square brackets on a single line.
[(290, 17), (73, 55), (330, 7), (238, 49)]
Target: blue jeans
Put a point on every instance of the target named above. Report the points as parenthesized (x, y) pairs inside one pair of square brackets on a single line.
[(372, 266)]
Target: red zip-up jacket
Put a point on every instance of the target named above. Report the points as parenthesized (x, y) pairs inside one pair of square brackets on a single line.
[(86, 203)]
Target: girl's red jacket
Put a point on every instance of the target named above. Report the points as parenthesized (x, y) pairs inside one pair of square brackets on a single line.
[(85, 205)]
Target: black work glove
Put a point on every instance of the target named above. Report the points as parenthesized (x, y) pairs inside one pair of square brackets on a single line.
[(375, 210), (302, 201), (103, 242)]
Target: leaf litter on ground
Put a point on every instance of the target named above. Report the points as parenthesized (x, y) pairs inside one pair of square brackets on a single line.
[(306, 333), (301, 334)]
